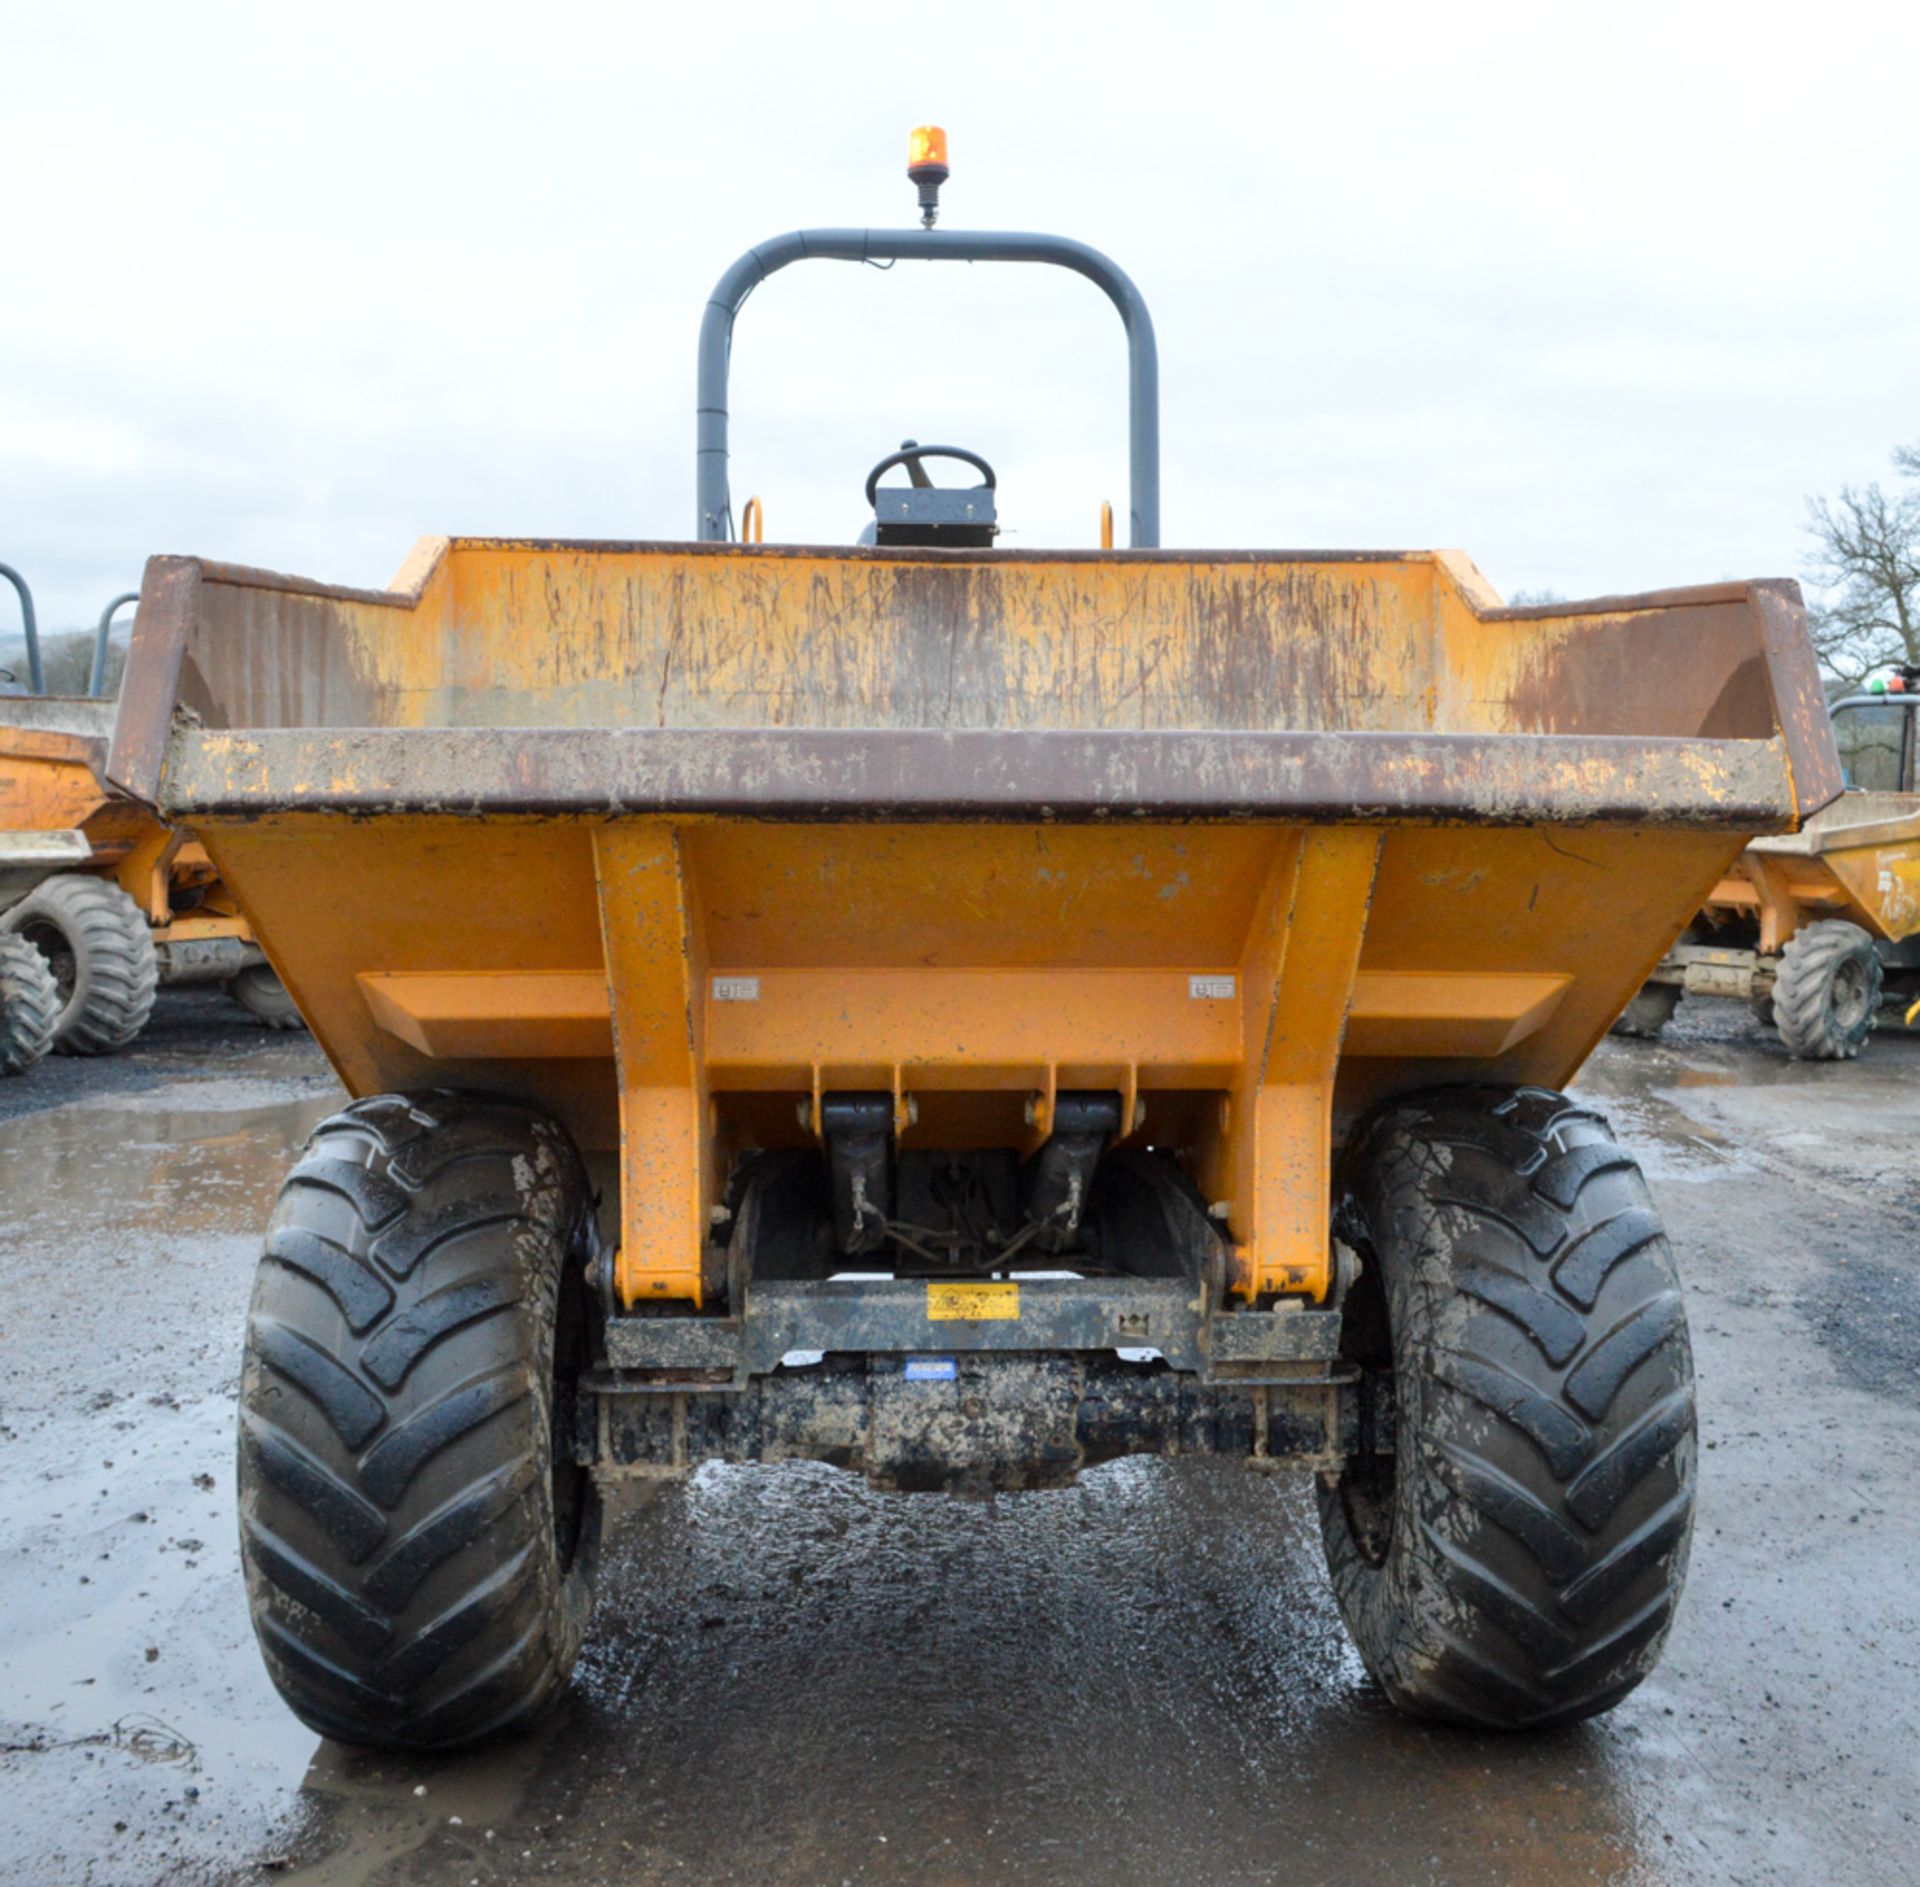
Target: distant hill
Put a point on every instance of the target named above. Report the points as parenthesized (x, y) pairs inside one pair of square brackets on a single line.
[(66, 655)]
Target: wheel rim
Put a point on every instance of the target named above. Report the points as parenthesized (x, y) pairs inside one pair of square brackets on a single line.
[(1852, 994), (52, 944)]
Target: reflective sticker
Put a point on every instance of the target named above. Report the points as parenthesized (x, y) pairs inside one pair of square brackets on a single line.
[(736, 989), (931, 1369), (973, 1303), (1210, 988)]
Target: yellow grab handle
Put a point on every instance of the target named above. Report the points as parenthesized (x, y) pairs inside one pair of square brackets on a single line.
[(1106, 525), (753, 522)]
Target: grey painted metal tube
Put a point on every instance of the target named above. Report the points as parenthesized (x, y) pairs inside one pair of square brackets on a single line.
[(97, 675), (29, 629), (928, 245)]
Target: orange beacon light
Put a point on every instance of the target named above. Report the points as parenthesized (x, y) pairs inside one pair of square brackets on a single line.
[(927, 166)]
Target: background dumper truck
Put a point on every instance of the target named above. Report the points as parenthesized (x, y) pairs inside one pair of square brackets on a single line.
[(112, 901), (1816, 928), (964, 1015)]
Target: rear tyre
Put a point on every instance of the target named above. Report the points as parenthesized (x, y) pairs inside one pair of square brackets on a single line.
[(1649, 1012), (417, 1539), (96, 942), (1513, 1560), (1827, 991), (29, 1005), (264, 997)]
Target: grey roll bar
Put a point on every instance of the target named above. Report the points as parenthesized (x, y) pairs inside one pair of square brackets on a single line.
[(927, 245), (29, 629), (97, 674)]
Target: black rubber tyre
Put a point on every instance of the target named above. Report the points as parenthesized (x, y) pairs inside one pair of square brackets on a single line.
[(1827, 992), (1649, 1012), (97, 944), (417, 1541), (264, 997), (1515, 1559), (29, 1005)]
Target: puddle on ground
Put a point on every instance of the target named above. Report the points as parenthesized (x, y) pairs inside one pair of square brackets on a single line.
[(136, 1165)]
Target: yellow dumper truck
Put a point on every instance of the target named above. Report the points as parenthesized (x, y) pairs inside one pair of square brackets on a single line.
[(1816, 928), (965, 1015), (110, 899), (108, 903)]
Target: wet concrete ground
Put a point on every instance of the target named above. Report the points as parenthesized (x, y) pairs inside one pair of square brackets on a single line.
[(794, 1679)]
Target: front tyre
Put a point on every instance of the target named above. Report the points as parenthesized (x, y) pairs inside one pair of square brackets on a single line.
[(1827, 991), (417, 1539), (1514, 1558), (97, 944), (29, 1005)]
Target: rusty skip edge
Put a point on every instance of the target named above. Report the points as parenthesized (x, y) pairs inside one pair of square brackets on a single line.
[(1026, 776), (908, 773), (63, 729), (81, 720), (406, 592)]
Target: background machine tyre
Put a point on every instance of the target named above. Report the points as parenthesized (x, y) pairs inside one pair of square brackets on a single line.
[(264, 997), (417, 1540), (97, 944), (29, 1005), (1827, 992), (1649, 1012), (1515, 1559)]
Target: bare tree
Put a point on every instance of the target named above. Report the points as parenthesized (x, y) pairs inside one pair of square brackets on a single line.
[(1865, 567)]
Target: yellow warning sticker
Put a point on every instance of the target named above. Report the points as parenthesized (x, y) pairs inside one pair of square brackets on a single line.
[(973, 1303)]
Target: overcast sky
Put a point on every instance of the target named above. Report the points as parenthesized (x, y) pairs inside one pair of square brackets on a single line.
[(1596, 293)]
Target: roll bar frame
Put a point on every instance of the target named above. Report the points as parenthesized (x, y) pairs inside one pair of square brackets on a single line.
[(97, 673), (29, 629), (714, 512)]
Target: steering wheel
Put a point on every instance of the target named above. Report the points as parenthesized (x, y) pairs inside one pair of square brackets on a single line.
[(910, 456)]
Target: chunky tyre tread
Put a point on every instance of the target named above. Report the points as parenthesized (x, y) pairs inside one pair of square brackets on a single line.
[(111, 969), (355, 1287), (390, 1357), (398, 1512), (1590, 1256), (1541, 1492), (1810, 1022), (29, 1005)]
